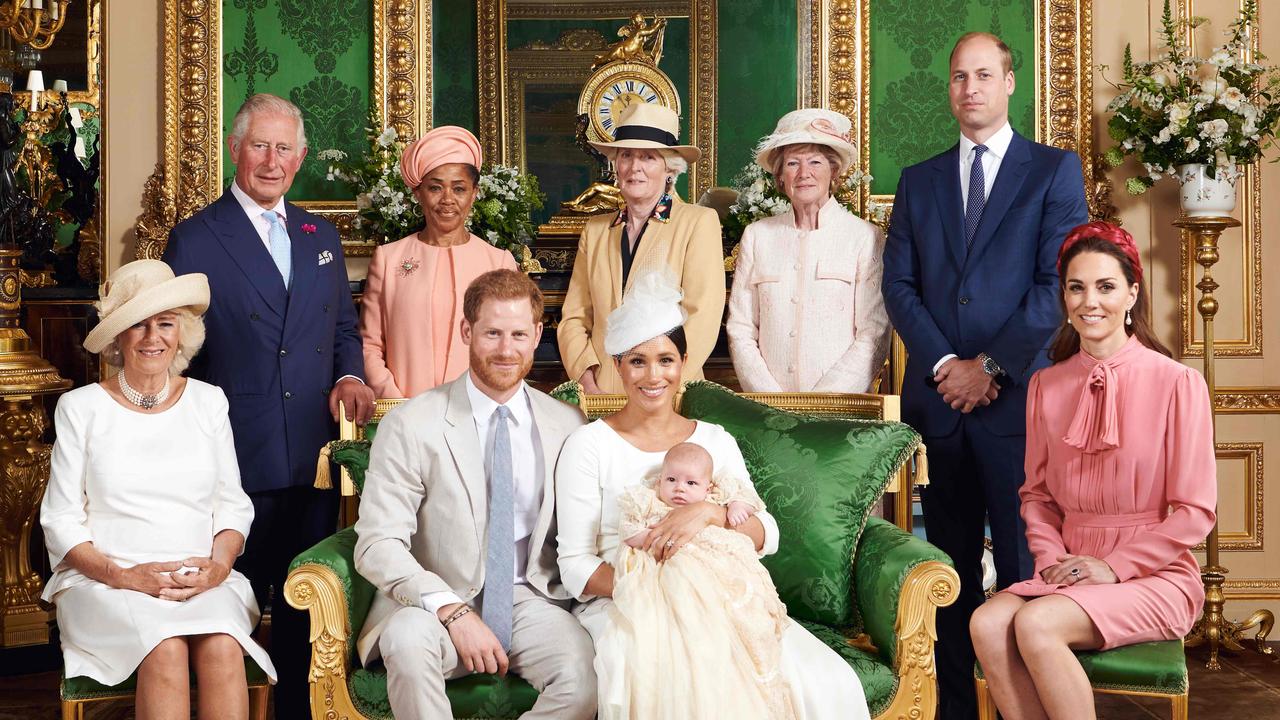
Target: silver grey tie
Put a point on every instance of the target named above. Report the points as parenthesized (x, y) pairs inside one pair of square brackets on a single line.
[(499, 568)]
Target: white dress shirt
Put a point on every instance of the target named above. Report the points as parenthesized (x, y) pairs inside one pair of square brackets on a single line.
[(527, 473), (997, 147), (258, 214)]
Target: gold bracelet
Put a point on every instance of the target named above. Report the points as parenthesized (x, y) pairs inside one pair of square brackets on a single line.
[(456, 614)]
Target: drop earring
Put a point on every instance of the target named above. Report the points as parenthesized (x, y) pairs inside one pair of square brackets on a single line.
[(1128, 318)]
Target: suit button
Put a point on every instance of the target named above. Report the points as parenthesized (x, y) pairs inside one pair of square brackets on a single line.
[(317, 351), (283, 352), (254, 316), (288, 395), (964, 301), (326, 308), (796, 266), (795, 300), (471, 590), (793, 333)]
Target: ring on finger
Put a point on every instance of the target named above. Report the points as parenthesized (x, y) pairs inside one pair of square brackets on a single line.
[(669, 543)]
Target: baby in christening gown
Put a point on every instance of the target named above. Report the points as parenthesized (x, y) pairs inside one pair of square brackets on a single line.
[(700, 633)]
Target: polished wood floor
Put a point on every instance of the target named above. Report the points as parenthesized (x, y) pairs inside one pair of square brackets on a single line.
[(1247, 688)]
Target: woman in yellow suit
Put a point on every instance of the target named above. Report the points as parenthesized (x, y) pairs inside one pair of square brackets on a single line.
[(655, 229)]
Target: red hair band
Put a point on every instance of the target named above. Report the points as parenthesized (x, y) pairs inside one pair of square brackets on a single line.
[(1113, 234)]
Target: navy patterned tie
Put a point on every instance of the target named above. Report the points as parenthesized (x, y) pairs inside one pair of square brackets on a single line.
[(499, 568), (977, 195)]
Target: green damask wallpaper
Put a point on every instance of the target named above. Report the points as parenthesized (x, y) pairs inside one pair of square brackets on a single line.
[(757, 77), (910, 46), (316, 53), (453, 59)]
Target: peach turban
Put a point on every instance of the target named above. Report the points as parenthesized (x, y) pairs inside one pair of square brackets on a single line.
[(440, 146)]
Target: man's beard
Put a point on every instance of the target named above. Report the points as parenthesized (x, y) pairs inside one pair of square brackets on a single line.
[(500, 380)]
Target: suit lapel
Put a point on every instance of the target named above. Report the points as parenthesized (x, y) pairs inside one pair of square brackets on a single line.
[(947, 183), (551, 436), (1013, 170), (613, 252), (241, 241), (305, 258), (468, 457)]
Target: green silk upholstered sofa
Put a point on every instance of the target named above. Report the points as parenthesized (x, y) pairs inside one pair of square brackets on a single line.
[(898, 583)]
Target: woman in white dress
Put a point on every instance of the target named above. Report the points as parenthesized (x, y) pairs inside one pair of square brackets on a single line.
[(599, 461), (144, 515)]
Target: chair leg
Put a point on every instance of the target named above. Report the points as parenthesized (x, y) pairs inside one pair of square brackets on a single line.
[(258, 697), (1181, 706), (986, 703), (72, 710)]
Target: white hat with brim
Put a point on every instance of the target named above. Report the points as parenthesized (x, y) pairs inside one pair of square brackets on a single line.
[(648, 126), (650, 308), (138, 290), (809, 126)]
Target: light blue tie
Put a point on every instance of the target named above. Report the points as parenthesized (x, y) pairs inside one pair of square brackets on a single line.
[(281, 247), (499, 568), (977, 195)]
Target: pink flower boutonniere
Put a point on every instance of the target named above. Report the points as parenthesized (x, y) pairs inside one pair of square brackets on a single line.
[(308, 228)]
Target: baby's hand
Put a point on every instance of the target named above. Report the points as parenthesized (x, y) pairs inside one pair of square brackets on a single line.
[(639, 540), (739, 512)]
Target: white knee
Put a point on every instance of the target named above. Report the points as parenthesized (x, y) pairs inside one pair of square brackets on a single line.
[(411, 642)]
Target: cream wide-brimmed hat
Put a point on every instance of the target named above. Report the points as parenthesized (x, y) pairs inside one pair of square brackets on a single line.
[(650, 308), (809, 126), (138, 290), (650, 126)]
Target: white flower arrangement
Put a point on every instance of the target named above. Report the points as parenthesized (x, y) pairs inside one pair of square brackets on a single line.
[(1181, 109)]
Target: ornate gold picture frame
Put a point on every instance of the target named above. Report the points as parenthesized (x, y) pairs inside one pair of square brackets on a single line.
[(189, 175), (499, 101)]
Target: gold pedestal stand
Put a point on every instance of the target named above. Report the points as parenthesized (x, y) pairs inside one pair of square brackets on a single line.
[(24, 463), (1213, 628)]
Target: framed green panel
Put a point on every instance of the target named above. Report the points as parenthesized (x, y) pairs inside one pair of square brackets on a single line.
[(910, 49), (317, 54), (454, 81), (758, 77), (317, 61)]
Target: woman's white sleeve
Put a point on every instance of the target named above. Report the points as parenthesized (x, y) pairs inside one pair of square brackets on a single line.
[(64, 511), (578, 512)]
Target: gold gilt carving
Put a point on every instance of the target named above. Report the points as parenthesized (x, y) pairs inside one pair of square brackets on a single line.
[(189, 175), (315, 589), (500, 86), (848, 83), (929, 586), (577, 39), (1251, 537), (1245, 400)]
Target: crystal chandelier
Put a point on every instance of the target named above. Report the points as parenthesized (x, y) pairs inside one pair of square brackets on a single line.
[(33, 22)]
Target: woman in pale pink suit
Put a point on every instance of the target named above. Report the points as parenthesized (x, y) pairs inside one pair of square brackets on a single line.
[(1120, 486), (412, 304)]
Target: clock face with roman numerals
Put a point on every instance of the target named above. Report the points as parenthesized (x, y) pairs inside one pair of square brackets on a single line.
[(617, 86)]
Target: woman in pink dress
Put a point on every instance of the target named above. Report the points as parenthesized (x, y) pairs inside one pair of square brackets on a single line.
[(412, 303), (1120, 486)]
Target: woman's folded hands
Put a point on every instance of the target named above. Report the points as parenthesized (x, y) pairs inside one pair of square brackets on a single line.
[(193, 576), (679, 526)]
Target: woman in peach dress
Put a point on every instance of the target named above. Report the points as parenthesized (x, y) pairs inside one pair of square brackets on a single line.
[(412, 303), (1120, 486)]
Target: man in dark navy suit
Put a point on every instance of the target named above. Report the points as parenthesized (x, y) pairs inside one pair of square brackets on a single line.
[(971, 286), (282, 343)]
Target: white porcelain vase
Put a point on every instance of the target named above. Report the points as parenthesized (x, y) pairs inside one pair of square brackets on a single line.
[(1204, 196)]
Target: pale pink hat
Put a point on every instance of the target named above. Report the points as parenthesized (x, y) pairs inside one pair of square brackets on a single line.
[(440, 146)]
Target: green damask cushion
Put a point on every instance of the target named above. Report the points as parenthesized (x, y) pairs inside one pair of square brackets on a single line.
[(886, 555), (474, 696), (820, 478), (352, 455), (879, 681), (1152, 667), (86, 688)]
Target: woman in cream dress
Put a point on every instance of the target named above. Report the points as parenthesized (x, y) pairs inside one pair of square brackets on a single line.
[(144, 515), (806, 313), (601, 460)]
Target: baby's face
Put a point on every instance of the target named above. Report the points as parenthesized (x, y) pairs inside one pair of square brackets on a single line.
[(682, 483)]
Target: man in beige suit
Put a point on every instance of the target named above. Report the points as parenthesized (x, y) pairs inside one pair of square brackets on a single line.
[(457, 526)]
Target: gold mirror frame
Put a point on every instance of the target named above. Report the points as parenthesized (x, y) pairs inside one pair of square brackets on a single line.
[(496, 96), (94, 66), (189, 175)]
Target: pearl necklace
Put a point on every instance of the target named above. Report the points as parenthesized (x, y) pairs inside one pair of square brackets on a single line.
[(146, 402)]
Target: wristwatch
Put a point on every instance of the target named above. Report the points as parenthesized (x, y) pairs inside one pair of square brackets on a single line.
[(989, 365)]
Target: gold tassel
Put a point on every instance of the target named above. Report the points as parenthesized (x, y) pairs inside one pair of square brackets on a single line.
[(922, 465), (323, 480)]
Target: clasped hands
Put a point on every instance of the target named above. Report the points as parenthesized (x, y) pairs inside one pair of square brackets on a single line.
[(163, 579), (665, 537), (964, 385), (1079, 570)]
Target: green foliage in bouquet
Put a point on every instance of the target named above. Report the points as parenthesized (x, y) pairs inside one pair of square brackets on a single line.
[(759, 197), (1220, 111)]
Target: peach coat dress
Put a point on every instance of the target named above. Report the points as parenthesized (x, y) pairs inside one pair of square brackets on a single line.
[(411, 312), (1120, 466)]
